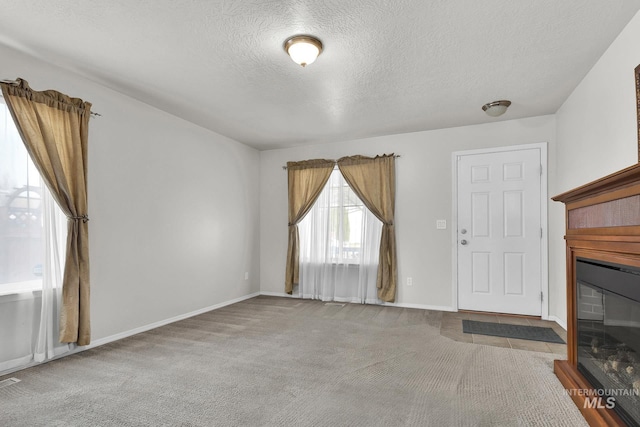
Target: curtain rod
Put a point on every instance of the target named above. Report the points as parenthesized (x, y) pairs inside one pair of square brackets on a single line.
[(395, 157), (15, 81)]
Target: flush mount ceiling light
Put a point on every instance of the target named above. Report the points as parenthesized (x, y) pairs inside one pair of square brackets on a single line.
[(303, 49), (496, 108)]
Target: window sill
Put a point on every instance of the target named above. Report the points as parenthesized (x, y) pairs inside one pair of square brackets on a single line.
[(332, 264), (20, 290), (344, 264)]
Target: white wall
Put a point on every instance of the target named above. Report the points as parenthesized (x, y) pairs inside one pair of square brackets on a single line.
[(423, 194), (597, 124), (173, 207), (596, 134)]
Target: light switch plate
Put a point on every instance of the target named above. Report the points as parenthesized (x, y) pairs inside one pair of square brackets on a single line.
[(441, 224)]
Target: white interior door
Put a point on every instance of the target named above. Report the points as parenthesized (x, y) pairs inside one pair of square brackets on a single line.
[(499, 231)]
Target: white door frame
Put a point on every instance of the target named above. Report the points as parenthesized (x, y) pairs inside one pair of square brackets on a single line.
[(544, 246)]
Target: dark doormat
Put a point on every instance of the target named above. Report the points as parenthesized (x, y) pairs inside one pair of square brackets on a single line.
[(532, 333)]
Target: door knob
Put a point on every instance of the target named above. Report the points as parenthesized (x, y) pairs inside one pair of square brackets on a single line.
[(463, 231), (463, 242)]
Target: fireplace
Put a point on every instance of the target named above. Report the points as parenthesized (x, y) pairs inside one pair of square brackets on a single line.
[(608, 334), (602, 370)]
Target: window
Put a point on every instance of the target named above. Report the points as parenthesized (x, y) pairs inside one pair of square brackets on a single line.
[(339, 245), (22, 238), (343, 212)]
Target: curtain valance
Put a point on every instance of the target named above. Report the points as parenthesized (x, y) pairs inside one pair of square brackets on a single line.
[(51, 98)]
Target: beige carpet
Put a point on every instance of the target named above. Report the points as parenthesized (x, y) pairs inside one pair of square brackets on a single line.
[(285, 362)]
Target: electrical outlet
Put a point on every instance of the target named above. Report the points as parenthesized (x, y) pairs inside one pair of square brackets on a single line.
[(246, 275), (409, 281)]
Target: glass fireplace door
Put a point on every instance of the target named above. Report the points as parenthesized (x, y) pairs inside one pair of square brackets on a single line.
[(608, 335)]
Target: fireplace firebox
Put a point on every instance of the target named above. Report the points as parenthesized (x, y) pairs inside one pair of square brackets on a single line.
[(608, 334)]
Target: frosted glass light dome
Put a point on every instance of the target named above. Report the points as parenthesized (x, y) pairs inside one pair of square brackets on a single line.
[(496, 108), (303, 50)]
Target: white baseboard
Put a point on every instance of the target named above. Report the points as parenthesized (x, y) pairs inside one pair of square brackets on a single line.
[(562, 323), (388, 304), (419, 306), (116, 337), (277, 294), (154, 325)]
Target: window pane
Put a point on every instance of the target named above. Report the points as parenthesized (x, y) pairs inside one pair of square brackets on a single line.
[(21, 227), (346, 221)]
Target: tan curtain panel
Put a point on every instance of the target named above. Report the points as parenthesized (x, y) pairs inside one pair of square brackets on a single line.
[(54, 128), (306, 181), (374, 181)]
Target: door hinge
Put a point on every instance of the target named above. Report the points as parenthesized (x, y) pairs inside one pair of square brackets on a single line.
[(541, 297), (541, 233), (540, 170)]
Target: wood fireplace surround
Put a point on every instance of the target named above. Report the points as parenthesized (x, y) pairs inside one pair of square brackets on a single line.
[(602, 223)]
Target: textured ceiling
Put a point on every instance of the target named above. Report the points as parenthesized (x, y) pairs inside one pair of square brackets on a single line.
[(388, 67)]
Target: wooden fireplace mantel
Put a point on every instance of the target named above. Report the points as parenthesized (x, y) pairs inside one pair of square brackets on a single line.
[(602, 223)]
